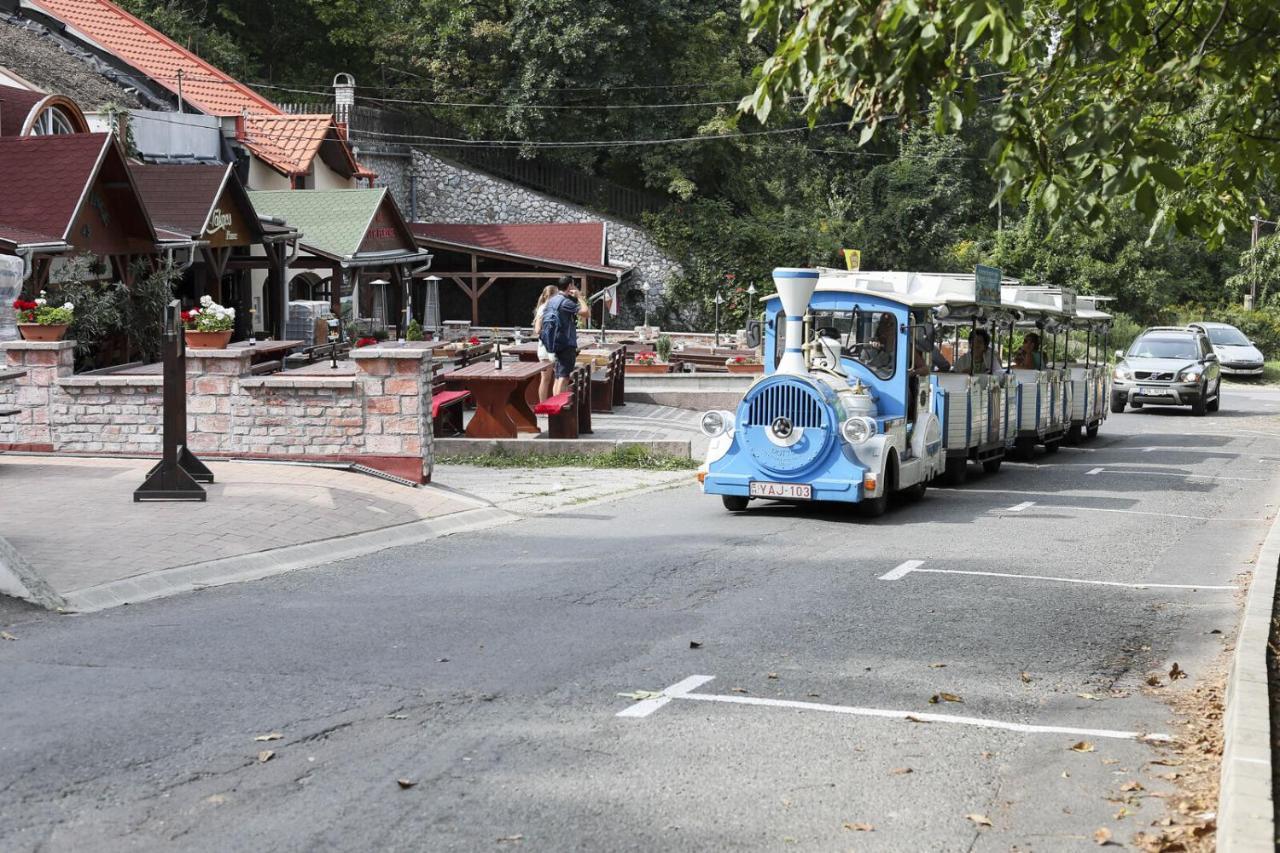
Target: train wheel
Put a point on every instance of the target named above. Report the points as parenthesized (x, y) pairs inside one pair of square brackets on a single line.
[(957, 471), (991, 466), (1052, 446), (1092, 432), (916, 492), (1024, 449), (1074, 433), (874, 507), (734, 503)]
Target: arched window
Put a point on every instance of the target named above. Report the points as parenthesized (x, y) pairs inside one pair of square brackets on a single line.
[(52, 121)]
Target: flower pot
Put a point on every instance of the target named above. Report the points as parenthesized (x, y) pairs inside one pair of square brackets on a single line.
[(37, 332), (208, 340), (745, 368), (633, 369)]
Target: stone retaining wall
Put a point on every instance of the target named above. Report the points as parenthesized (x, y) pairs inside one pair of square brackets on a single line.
[(380, 416)]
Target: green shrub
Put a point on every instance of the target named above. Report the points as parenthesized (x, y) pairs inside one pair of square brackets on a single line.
[(414, 331), (663, 347)]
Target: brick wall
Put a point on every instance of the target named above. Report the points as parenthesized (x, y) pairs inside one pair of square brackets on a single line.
[(379, 416)]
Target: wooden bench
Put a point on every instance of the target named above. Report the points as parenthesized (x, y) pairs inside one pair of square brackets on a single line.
[(266, 367), (446, 407), (605, 381), (569, 412)]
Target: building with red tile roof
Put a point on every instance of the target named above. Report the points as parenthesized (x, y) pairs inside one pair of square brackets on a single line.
[(579, 243), (157, 56), (290, 144)]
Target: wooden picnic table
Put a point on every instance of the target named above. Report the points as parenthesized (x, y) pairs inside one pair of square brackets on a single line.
[(525, 352), (268, 350), (502, 407)]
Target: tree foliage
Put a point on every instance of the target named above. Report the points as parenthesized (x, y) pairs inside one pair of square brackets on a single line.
[(1168, 106)]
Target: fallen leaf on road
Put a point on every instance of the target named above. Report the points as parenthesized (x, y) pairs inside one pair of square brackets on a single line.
[(814, 695), (979, 819), (266, 755), (986, 754), (269, 736), (1215, 631), (737, 690), (695, 644), (1110, 761), (1123, 813), (397, 716), (1131, 785), (641, 694), (215, 799), (912, 718), (1081, 746), (406, 783), (1153, 680), (936, 665), (1102, 836), (1026, 677), (1066, 775), (860, 827), (1091, 696), (1176, 672), (5, 635), (901, 771), (511, 839), (772, 675), (949, 697), (442, 660)]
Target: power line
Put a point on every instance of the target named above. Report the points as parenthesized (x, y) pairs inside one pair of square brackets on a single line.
[(452, 142)]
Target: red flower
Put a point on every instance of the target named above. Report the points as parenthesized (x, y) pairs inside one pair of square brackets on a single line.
[(473, 340), (24, 305), (366, 342)]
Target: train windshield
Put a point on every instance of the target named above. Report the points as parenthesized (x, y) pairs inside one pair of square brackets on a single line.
[(868, 337)]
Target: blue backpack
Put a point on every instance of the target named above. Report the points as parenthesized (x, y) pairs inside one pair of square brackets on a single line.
[(555, 335)]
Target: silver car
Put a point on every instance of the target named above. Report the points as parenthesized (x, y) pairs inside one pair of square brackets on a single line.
[(1236, 353), (1168, 366)]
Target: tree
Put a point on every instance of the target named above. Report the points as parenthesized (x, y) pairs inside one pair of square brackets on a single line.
[(1171, 107)]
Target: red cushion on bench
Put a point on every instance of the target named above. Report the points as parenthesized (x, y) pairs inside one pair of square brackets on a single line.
[(445, 398), (553, 405)]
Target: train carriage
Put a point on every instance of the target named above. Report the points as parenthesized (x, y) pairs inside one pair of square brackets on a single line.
[(1092, 379), (1042, 411)]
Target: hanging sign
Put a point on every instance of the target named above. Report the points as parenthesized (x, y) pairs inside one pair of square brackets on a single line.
[(852, 259), (986, 285)]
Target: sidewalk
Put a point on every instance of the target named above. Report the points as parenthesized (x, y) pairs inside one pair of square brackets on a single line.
[(76, 540)]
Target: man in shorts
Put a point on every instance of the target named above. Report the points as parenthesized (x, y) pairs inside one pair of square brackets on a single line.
[(567, 308)]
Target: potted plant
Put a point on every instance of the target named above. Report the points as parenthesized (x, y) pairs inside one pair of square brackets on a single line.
[(40, 321), (209, 326), (647, 362), (744, 364)]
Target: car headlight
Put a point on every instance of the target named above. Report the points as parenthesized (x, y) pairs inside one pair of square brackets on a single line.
[(716, 423), (1122, 373), (858, 430), (1190, 375)]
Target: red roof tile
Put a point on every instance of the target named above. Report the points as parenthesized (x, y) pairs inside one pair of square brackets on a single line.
[(23, 236), (15, 107), (288, 143), (578, 243), (45, 178), (157, 56)]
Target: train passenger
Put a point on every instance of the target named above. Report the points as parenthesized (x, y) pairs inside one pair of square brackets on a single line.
[(978, 358), (1029, 356)]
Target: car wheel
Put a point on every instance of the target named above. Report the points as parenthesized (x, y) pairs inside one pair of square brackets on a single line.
[(1217, 398), (734, 503), (1117, 405), (1199, 407)]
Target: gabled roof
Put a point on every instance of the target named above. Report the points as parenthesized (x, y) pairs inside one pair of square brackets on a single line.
[(182, 198), (157, 56), (47, 179), (579, 243), (289, 143), (19, 109), (333, 222)]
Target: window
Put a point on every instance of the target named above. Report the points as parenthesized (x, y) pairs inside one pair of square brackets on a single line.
[(868, 337), (1227, 336), (50, 122), (1150, 346)]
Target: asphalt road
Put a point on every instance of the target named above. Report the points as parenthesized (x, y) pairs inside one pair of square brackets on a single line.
[(485, 669)]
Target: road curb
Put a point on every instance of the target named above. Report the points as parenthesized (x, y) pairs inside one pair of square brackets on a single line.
[(1246, 809), (264, 564)]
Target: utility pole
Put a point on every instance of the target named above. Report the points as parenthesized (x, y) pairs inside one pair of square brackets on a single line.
[(179, 90)]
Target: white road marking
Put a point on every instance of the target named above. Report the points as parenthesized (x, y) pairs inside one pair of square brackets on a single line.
[(645, 707), (681, 691), (1020, 507), (1056, 579), (1172, 474), (1093, 471), (902, 570)]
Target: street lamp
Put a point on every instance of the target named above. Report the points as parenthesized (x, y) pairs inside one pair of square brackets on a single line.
[(751, 301), (645, 288), (719, 300)]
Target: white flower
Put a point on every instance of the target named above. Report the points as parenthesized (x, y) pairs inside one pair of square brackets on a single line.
[(231, 312), (206, 300), (42, 301), (69, 306)]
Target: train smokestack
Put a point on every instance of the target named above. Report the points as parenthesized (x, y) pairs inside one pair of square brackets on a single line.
[(795, 286)]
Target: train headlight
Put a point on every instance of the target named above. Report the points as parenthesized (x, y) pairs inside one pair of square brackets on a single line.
[(716, 423), (858, 430)]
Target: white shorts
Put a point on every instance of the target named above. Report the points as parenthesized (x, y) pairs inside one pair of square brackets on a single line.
[(543, 355)]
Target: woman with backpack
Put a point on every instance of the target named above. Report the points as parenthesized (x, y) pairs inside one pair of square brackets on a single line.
[(544, 383)]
